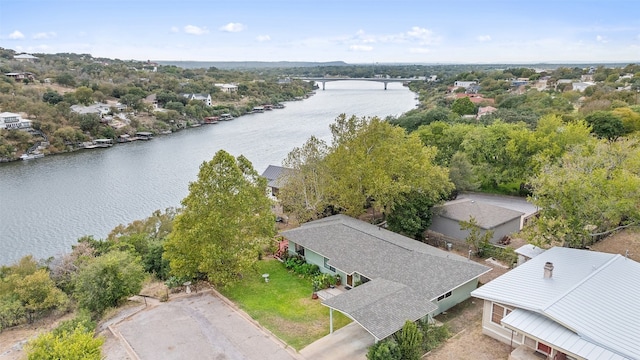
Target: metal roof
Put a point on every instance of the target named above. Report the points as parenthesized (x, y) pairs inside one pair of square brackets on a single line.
[(388, 259), (593, 294), (486, 215), (549, 331), (529, 251), (274, 175)]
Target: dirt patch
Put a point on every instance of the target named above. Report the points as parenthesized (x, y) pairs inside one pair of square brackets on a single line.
[(620, 243), (12, 341), (465, 323)]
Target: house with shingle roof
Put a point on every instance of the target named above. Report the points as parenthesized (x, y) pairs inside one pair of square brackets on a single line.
[(566, 304), (502, 221), (391, 278), (205, 98)]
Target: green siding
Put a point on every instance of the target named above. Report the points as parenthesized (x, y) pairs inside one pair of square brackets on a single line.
[(458, 295)]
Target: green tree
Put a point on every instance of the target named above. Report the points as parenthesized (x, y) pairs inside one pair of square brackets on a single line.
[(411, 215), (304, 191), (605, 125), (410, 341), (374, 164), (461, 173), (52, 97), (224, 221), (463, 106), (65, 79), (84, 95), (591, 189), (107, 280), (384, 350), (477, 239)]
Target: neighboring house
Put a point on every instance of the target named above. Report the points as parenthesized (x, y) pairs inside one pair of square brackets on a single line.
[(26, 58), (581, 86), (151, 100), (391, 278), (566, 304), (205, 98), (275, 176), (10, 120), (464, 84), (502, 221), (527, 252), (20, 76), (476, 98), (100, 109), (485, 110), (228, 88)]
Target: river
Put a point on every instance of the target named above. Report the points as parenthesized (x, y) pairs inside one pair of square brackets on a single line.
[(49, 203)]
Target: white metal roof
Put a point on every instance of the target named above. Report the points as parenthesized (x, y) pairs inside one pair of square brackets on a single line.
[(550, 332), (529, 251), (593, 294)]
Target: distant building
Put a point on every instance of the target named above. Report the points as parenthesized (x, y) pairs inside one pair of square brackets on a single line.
[(228, 88), (10, 120), (205, 98), (464, 84), (20, 76), (25, 58), (485, 110)]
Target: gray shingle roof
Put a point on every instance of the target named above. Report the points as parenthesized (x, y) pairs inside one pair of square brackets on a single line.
[(396, 301), (351, 245), (593, 294), (487, 216)]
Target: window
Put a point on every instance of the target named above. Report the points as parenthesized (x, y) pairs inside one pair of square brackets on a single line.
[(498, 312), (327, 266), (544, 348), (442, 297)]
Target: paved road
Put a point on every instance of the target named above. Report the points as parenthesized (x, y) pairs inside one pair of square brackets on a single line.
[(199, 327)]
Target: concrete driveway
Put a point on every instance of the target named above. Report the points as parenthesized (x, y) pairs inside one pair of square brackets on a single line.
[(199, 326), (349, 342)]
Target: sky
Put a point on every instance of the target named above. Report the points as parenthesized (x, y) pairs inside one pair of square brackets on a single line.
[(353, 31)]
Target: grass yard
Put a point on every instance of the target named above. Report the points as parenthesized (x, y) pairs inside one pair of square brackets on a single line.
[(284, 305)]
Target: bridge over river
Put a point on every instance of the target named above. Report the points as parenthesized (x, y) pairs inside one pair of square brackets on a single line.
[(385, 81)]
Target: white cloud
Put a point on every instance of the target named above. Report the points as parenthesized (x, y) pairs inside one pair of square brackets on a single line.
[(483, 38), (175, 29), (16, 35), (419, 50), (424, 36), (601, 39), (233, 27), (262, 38), (44, 35), (195, 30), (360, 48)]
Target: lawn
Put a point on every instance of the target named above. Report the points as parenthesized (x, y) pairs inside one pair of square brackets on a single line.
[(284, 305)]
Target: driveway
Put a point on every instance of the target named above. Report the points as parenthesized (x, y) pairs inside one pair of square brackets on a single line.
[(200, 326), (349, 342)]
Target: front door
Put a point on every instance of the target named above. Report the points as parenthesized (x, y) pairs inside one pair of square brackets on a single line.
[(350, 280)]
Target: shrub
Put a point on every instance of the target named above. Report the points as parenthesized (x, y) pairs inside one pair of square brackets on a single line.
[(384, 350), (410, 341)]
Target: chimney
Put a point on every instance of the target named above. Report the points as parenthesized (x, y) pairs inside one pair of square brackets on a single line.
[(548, 270)]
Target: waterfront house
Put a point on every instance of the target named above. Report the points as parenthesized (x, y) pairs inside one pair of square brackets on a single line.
[(566, 304), (228, 88), (205, 98), (100, 109), (9, 120), (502, 221), (275, 175), (391, 278)]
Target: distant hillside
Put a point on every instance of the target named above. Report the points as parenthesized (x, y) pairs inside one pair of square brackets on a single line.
[(236, 65)]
